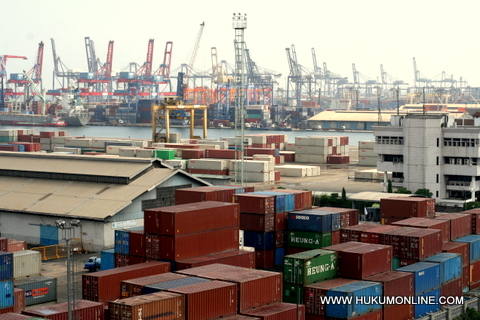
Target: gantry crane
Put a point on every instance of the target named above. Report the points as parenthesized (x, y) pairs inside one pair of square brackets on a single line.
[(39, 92), (3, 73), (164, 69), (60, 70), (189, 71), (92, 61)]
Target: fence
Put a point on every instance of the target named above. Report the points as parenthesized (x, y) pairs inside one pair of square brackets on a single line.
[(59, 250)]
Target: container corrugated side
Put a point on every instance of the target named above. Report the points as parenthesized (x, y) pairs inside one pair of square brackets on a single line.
[(313, 294), (134, 287), (6, 294), (398, 312), (279, 199), (151, 306), (19, 300), (104, 286), (278, 311), (309, 220), (423, 309), (39, 289), (364, 289), (474, 246), (26, 263), (309, 240), (238, 258), (372, 235), (395, 283), (108, 259), (209, 300), (257, 222), (453, 288), (298, 198), (15, 316), (475, 215), (353, 232), (122, 242), (460, 224), (82, 309), (172, 284), (255, 203), (310, 266), (6, 265), (260, 240), (426, 274), (256, 287), (450, 266)]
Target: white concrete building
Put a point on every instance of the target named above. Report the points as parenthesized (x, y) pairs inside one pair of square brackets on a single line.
[(430, 151), (105, 194)]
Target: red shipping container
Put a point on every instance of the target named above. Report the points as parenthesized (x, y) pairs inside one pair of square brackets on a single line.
[(222, 154), (47, 134), (352, 233), (277, 176), (257, 222), (16, 245), (81, 309), (466, 276), (192, 153), (373, 235), (253, 151), (291, 250), (368, 259), (336, 237), (475, 215), (7, 310), (104, 286), (198, 244), (214, 172), (395, 283), (398, 312), (314, 292), (137, 243), (134, 287), (338, 159), (281, 221), (279, 239), (264, 259), (122, 260), (19, 300), (152, 246), (407, 207), (255, 203), (256, 287), (474, 285), (288, 156), (13, 316), (278, 311), (426, 223), (198, 194), (249, 189), (156, 305), (413, 243), (474, 272), (238, 258), (209, 300), (453, 288), (460, 224), (3, 244), (191, 218), (9, 148), (344, 141), (389, 220), (462, 248)]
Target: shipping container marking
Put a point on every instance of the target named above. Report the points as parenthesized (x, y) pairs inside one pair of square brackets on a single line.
[(124, 224), (319, 269), (36, 292), (304, 240)]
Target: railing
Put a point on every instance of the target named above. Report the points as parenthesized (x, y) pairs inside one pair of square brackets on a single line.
[(59, 250)]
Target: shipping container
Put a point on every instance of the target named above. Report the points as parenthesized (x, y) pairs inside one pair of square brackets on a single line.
[(353, 232), (309, 240), (360, 289), (310, 266), (368, 259), (278, 311), (426, 223), (395, 283), (38, 289), (172, 284), (255, 203), (372, 235), (398, 312), (348, 217), (152, 246), (81, 309), (257, 222), (19, 300), (407, 207), (134, 287), (255, 287), (413, 243), (4, 244), (422, 309), (260, 240), (191, 218), (166, 305), (313, 294), (474, 246), (26, 263), (450, 266), (284, 202), (16, 245), (426, 274), (16, 316), (264, 259), (104, 286), (108, 259), (209, 300), (303, 199), (6, 265), (6, 294), (280, 221), (199, 194), (475, 216), (452, 288), (240, 317), (198, 244), (310, 220), (460, 224), (239, 258)]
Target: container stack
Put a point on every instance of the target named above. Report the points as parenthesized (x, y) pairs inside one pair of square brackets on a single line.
[(208, 166), (7, 301), (459, 224), (254, 171), (425, 223), (82, 309), (473, 242), (399, 208), (463, 249), (366, 154), (298, 171), (475, 224), (215, 193), (37, 289), (322, 149), (129, 247), (451, 282)]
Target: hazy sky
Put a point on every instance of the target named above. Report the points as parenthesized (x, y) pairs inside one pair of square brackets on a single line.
[(440, 34)]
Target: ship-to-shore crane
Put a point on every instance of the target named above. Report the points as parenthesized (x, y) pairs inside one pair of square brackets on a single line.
[(3, 74)]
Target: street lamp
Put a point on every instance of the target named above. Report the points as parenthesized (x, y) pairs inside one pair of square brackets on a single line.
[(68, 233)]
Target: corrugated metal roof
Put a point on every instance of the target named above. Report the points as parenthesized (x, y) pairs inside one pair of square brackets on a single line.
[(366, 116), (375, 196)]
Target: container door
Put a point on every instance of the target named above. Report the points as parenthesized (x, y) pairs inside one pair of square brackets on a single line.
[(48, 235)]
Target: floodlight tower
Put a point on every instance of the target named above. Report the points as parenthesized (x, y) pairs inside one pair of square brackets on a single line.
[(240, 24)]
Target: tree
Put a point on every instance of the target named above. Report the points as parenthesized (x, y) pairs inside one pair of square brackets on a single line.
[(403, 190), (389, 186), (424, 192), (344, 195), (470, 205)]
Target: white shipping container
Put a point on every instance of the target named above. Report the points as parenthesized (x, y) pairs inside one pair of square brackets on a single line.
[(320, 141), (367, 161), (257, 139), (221, 144), (281, 146), (292, 171), (174, 137), (7, 132), (208, 146), (144, 153), (57, 146), (252, 166), (26, 263), (177, 163), (113, 149), (311, 158), (232, 141), (128, 152), (254, 176), (100, 143), (65, 149), (59, 140), (208, 164), (320, 150), (366, 153), (139, 143), (263, 157), (79, 142), (366, 174), (46, 147), (366, 144), (346, 150), (45, 141), (290, 147)]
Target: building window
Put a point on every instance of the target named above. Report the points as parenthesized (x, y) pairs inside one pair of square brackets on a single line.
[(436, 194), (438, 142), (437, 178), (438, 161)]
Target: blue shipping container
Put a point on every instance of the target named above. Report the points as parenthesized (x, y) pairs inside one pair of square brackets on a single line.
[(6, 265), (6, 294), (279, 200), (450, 265), (474, 241), (359, 290), (279, 254), (289, 202), (309, 220), (172, 284), (122, 242), (108, 259), (422, 309), (335, 217), (259, 240), (426, 276), (238, 190)]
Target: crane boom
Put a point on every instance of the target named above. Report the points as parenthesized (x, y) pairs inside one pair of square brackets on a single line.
[(40, 94), (195, 48)]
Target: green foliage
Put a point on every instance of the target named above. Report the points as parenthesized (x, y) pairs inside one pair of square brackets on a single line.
[(470, 205), (389, 187), (403, 190), (332, 200), (470, 314), (281, 188), (424, 192)]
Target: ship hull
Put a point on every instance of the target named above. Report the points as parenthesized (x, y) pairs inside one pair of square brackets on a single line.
[(42, 121)]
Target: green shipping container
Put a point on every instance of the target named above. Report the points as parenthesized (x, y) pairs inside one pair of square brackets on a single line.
[(293, 293), (7, 139), (310, 266), (395, 263), (254, 116), (166, 154), (309, 240)]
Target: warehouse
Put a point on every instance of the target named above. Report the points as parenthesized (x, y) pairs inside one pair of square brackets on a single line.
[(104, 193), (349, 120)]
